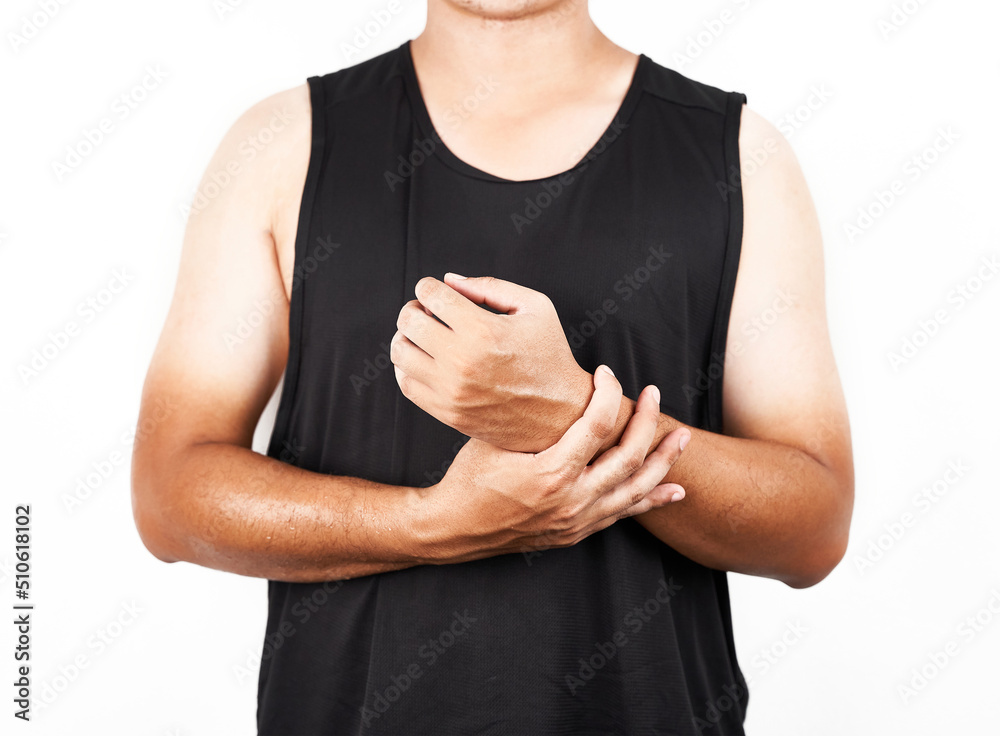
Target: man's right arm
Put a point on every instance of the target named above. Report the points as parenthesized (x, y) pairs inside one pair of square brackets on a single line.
[(202, 495)]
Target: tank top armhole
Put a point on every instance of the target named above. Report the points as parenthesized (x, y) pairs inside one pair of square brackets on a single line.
[(731, 257), (296, 308)]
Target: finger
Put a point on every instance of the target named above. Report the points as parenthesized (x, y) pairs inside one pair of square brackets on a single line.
[(503, 296), (423, 330), (586, 435), (649, 477), (412, 360), (416, 391), (662, 495), (618, 463), (444, 302)]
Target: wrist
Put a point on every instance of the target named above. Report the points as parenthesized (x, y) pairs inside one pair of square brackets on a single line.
[(625, 411), (424, 523), (580, 389)]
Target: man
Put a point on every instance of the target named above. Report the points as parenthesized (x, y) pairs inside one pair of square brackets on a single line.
[(562, 571)]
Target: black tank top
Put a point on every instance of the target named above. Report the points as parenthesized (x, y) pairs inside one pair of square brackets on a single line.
[(637, 246)]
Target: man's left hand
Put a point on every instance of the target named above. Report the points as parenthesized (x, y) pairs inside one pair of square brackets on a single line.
[(509, 379)]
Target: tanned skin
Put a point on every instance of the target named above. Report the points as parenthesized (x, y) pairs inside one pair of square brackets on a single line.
[(772, 496)]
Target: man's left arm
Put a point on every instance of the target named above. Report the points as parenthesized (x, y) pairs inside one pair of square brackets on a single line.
[(773, 495)]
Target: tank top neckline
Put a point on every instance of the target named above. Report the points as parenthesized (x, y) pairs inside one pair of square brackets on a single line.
[(427, 129)]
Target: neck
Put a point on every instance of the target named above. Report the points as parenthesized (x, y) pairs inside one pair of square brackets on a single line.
[(533, 54)]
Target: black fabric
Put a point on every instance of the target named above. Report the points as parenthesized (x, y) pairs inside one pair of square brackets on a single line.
[(638, 247)]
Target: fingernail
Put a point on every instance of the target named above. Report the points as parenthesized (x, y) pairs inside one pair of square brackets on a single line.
[(455, 275), (604, 367), (684, 441), (656, 395), (678, 495)]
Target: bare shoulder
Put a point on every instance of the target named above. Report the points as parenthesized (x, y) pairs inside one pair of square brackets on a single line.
[(766, 157), (289, 162), (273, 140), (781, 233)]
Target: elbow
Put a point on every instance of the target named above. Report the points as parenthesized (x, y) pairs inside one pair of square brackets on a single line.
[(151, 520), (817, 566), (825, 548)]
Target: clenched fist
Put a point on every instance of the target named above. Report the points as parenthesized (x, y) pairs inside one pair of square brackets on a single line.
[(509, 379)]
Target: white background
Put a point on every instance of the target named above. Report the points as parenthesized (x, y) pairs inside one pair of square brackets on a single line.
[(827, 660)]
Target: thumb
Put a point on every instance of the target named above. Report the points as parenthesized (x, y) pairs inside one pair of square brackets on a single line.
[(503, 296)]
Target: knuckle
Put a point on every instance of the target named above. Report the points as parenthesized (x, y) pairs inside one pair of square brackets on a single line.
[(458, 391), (563, 475), (633, 460), (404, 319), (396, 348), (602, 427), (463, 366), (486, 332), (426, 287), (553, 480), (570, 514)]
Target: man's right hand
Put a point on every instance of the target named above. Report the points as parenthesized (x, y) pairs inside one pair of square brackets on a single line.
[(493, 501)]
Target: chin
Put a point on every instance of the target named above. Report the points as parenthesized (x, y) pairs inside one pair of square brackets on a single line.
[(509, 9)]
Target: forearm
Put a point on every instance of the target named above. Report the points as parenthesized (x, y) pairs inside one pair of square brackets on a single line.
[(753, 506), (225, 507)]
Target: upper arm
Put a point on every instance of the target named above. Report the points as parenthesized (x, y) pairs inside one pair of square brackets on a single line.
[(225, 340), (780, 381)]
